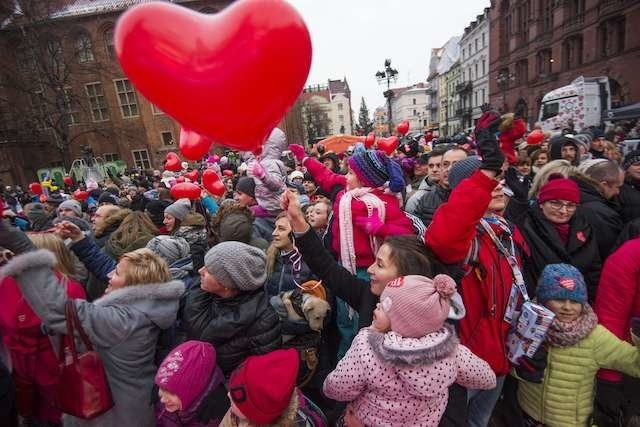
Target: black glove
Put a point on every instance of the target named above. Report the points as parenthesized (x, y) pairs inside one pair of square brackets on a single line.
[(489, 121), (608, 404), (520, 188), (15, 240), (488, 149), (532, 368)]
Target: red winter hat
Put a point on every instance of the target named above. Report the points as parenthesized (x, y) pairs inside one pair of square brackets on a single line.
[(262, 386), (559, 188)]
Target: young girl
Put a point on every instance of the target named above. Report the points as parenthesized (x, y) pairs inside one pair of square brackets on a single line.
[(577, 348), (397, 372)]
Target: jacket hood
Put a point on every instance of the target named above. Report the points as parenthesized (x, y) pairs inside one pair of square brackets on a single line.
[(193, 219), (181, 268), (275, 145), (158, 301), (112, 222)]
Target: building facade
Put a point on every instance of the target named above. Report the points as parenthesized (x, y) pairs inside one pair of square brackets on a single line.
[(64, 90), (380, 121), (410, 104), (539, 45), (440, 107), (453, 118), (326, 110)]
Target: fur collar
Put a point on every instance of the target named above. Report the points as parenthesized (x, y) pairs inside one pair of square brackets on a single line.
[(27, 261), (129, 294), (426, 350)]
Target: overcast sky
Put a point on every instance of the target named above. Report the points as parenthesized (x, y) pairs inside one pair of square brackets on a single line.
[(352, 38)]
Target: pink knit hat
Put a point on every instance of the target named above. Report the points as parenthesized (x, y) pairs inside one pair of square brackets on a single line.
[(417, 305), (187, 371)]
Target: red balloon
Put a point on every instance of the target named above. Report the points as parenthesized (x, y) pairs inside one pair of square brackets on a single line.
[(68, 181), (227, 172), (403, 127), (81, 195), (535, 137), (370, 140), (193, 145), (211, 182), (226, 57), (185, 190), (388, 145), (35, 188), (173, 162), (193, 175), (180, 179)]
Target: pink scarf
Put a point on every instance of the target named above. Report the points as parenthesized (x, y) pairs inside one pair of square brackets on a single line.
[(566, 334)]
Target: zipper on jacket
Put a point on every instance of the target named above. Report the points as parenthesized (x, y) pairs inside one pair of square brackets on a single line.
[(493, 290)]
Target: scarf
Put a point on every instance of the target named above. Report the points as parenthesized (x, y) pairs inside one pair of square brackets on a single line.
[(566, 334), (563, 232), (347, 250)]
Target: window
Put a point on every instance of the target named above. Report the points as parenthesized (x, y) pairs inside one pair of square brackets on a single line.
[(108, 43), (576, 7), (341, 118), (39, 108), (70, 105), (475, 42), (415, 112), (156, 110), (522, 72), (572, 52), (339, 107), (97, 102), (54, 54), (483, 97), (611, 35), (167, 138), (126, 98), (484, 40), (476, 69), (484, 67), (475, 95), (546, 11), (544, 62), (550, 110), (141, 159), (111, 157), (83, 47), (414, 101)]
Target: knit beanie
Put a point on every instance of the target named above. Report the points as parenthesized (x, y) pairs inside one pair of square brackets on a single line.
[(417, 305), (107, 198), (180, 209), (73, 205), (237, 265), (559, 188), (262, 386), (247, 186), (561, 281), (631, 158), (187, 371), (170, 248), (374, 168), (462, 170), (155, 210)]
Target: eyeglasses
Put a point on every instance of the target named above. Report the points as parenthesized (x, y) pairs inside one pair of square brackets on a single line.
[(558, 205)]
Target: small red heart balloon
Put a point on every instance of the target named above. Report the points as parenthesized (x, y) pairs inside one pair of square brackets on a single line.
[(227, 172), (193, 145), (535, 137), (173, 162), (403, 127), (68, 181), (185, 190), (192, 176), (370, 140), (226, 57), (35, 188), (211, 182), (388, 145), (180, 179), (81, 195)]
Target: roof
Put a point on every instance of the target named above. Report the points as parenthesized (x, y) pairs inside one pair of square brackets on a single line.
[(338, 86)]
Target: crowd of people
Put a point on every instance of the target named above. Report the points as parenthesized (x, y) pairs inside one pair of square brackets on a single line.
[(355, 288)]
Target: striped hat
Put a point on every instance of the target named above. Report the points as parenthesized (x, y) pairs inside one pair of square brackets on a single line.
[(374, 168)]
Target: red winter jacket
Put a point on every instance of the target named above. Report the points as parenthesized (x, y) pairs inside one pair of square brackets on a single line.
[(485, 289), (618, 295), (32, 354), (396, 222)]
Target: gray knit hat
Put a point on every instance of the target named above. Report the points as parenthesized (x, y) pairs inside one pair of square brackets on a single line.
[(247, 186), (462, 170), (170, 248), (180, 209), (73, 205), (237, 265)]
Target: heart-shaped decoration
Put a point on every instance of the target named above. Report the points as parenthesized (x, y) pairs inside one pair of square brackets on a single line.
[(180, 179), (192, 176), (230, 76), (535, 137), (370, 140), (35, 188), (388, 145), (185, 190), (81, 195), (403, 127), (68, 181), (173, 162), (211, 182), (193, 145), (228, 173)]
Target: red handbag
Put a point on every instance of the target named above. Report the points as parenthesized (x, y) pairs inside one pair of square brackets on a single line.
[(83, 390)]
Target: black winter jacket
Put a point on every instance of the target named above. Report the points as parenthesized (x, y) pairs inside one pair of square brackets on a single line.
[(431, 200), (630, 200), (283, 276), (238, 327)]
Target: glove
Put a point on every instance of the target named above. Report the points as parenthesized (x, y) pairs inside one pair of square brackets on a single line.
[(257, 170), (609, 397), (488, 149), (532, 368), (489, 121), (520, 188), (298, 151), (635, 330), (370, 225)]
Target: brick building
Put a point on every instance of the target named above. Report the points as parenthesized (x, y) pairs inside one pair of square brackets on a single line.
[(62, 88), (540, 45)]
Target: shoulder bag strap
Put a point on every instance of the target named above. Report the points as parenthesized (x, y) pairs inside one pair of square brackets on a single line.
[(78, 326)]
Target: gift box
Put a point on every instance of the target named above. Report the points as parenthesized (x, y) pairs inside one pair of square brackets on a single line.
[(528, 331)]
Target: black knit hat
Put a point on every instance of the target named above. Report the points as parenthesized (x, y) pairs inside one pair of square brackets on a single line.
[(247, 186)]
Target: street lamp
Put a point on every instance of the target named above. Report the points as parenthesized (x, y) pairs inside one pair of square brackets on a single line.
[(504, 79), (388, 75)]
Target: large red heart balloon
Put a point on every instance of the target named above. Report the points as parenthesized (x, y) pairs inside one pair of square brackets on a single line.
[(193, 175), (370, 140), (230, 76), (173, 162), (403, 127), (211, 182), (81, 195), (35, 188), (388, 145), (185, 190), (193, 145)]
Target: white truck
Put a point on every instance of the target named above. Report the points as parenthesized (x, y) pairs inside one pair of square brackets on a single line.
[(584, 102)]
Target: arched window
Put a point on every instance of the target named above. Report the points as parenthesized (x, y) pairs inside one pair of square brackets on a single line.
[(108, 43), (83, 48)]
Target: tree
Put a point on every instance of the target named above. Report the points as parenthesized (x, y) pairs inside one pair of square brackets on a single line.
[(317, 122), (365, 124)]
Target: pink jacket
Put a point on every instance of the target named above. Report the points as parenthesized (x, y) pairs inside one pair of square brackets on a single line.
[(396, 381)]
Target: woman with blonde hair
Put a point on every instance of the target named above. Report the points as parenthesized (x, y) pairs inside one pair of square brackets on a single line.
[(562, 167), (134, 232), (34, 361), (611, 152), (123, 325)]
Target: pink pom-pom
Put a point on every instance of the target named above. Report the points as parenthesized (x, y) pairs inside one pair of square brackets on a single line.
[(445, 285)]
